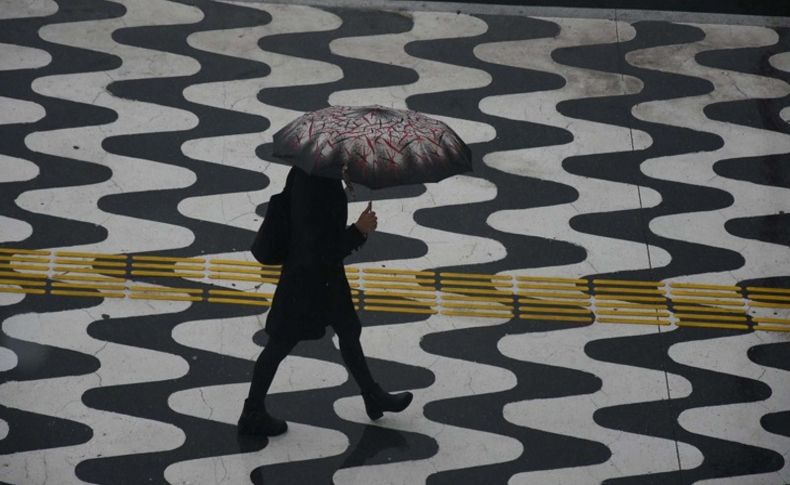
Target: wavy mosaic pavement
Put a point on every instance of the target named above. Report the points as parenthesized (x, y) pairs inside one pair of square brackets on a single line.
[(603, 148)]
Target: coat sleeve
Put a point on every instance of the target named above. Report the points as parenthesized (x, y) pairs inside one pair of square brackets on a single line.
[(353, 239)]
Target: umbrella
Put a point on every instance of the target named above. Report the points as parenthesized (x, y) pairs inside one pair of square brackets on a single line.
[(382, 146)]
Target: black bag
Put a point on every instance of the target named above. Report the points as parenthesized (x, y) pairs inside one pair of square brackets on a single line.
[(271, 243)]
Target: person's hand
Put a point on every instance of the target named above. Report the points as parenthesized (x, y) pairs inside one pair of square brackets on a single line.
[(367, 221)]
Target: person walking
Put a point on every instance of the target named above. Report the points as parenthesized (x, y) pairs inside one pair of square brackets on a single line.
[(313, 293)]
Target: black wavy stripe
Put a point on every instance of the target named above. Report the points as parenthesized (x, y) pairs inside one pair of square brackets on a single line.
[(357, 74), (54, 171), (773, 355), (148, 400), (301, 406), (204, 438), (773, 229), (369, 445), (765, 170), (165, 147), (34, 432), (756, 113), (30, 431), (650, 351), (513, 192), (483, 412), (624, 167), (722, 458)]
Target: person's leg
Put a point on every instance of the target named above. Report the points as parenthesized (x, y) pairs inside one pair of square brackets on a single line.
[(376, 399), (357, 365), (266, 367), (255, 420)]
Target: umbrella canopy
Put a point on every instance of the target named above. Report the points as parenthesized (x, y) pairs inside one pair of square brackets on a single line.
[(382, 146)]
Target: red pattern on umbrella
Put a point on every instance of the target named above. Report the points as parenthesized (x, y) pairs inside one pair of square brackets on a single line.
[(382, 146)]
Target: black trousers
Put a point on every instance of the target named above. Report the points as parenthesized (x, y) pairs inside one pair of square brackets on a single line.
[(279, 348)]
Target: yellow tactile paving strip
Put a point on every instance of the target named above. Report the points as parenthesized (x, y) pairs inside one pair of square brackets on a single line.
[(561, 300)]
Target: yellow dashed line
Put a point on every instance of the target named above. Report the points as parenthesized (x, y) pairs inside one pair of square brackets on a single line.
[(29, 291), (549, 298), (376, 308), (556, 286), (652, 284), (705, 287), (551, 278), (633, 321), (723, 318), (91, 294), (74, 254), (399, 272), (729, 326), (23, 283), (533, 316), (758, 289), (476, 276), (29, 267), (461, 313), (633, 313), (782, 321), (713, 301), (707, 294), (167, 274), (168, 259), (772, 328), (24, 251), (553, 310), (399, 302)]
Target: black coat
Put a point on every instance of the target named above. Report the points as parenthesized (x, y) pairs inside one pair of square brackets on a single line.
[(313, 291)]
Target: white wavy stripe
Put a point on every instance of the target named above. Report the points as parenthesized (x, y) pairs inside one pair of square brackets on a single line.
[(396, 216), (389, 49), (632, 454), (457, 447), (61, 396), (84, 143), (13, 111), (14, 229), (707, 227), (300, 443), (545, 163), (27, 8), (433, 76), (782, 62), (223, 403), (738, 423), (19, 111), (238, 209), (13, 169), (8, 358), (21, 57)]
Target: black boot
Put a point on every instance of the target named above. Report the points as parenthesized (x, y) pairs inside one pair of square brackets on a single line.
[(255, 420), (377, 401)]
